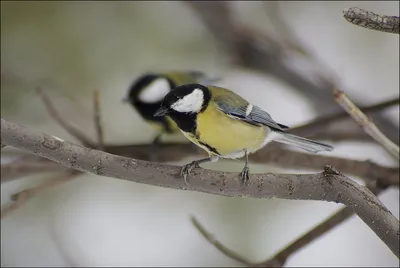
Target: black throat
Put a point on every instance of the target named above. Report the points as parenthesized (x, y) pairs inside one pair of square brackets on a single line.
[(185, 121)]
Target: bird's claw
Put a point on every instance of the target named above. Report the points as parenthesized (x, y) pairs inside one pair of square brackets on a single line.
[(244, 175), (186, 169)]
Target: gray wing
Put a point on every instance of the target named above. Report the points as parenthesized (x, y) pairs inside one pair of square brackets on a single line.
[(250, 114)]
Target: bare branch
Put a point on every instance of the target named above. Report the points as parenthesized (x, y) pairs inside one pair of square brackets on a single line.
[(370, 20), (272, 154), (279, 259), (328, 185), (366, 123), (22, 197), (97, 121), (71, 129), (210, 238)]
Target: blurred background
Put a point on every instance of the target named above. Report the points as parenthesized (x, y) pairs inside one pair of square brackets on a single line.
[(72, 48)]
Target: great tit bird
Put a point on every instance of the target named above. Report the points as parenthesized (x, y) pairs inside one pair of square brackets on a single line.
[(147, 92), (226, 125)]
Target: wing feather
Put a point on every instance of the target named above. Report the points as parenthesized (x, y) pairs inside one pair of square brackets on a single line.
[(237, 109)]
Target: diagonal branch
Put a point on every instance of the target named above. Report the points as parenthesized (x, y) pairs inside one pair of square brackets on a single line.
[(328, 185), (280, 258), (221, 247), (370, 20), (366, 123), (97, 121), (71, 129), (23, 196)]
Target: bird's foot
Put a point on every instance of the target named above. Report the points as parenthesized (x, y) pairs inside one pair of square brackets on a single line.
[(186, 169), (244, 175)]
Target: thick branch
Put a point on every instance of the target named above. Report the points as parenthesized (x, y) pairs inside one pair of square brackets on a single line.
[(370, 20), (272, 154), (328, 186)]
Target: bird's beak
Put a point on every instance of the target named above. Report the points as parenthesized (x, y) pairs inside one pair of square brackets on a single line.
[(160, 112)]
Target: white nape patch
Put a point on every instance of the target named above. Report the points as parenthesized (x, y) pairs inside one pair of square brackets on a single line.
[(249, 109), (155, 91), (191, 103)]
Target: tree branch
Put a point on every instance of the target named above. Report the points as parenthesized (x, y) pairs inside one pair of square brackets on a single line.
[(221, 247), (280, 258), (328, 185), (273, 154), (370, 20), (71, 129), (23, 196), (366, 123), (97, 121)]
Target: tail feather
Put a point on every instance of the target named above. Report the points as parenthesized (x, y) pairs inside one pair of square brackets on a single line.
[(303, 143)]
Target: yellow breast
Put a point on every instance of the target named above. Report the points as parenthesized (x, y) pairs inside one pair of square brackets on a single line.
[(226, 135)]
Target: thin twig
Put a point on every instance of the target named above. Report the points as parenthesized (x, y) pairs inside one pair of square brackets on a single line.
[(329, 185), (366, 123), (221, 247), (25, 166), (71, 129), (321, 122), (370, 20), (97, 120), (280, 258), (23, 196)]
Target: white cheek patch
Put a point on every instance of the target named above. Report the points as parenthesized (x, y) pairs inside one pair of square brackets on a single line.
[(191, 103), (155, 91)]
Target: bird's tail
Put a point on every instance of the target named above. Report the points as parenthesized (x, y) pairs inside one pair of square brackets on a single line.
[(303, 143)]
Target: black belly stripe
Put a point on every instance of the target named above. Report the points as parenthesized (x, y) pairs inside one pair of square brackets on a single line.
[(212, 149)]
